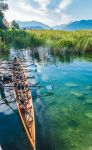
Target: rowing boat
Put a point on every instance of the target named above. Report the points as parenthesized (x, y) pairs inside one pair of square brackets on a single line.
[(24, 100)]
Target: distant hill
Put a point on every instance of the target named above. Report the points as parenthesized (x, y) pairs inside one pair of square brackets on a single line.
[(77, 25), (33, 25)]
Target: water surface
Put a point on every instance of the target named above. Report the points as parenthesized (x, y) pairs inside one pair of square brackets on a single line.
[(62, 102)]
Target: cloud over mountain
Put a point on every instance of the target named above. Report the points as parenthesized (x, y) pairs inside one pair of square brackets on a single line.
[(40, 10)]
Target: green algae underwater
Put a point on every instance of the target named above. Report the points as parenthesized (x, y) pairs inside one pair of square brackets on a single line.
[(63, 113)]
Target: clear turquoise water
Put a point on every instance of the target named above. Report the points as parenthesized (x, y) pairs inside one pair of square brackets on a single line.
[(66, 116), (63, 109)]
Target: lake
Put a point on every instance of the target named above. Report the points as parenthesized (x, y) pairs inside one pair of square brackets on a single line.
[(62, 103)]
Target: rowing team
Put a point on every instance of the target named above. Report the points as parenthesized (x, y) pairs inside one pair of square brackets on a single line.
[(21, 85)]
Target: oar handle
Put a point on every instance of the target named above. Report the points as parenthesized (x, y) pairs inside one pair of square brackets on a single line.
[(24, 108)]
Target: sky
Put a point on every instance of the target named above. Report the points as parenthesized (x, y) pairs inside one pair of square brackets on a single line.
[(50, 12)]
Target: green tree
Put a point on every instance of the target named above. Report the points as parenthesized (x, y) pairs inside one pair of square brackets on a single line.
[(3, 7), (14, 24)]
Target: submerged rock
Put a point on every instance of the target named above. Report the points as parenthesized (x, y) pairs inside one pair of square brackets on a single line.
[(70, 84), (89, 101), (89, 115), (77, 94), (88, 87)]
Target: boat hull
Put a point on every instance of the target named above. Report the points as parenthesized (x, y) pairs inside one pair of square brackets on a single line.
[(24, 102)]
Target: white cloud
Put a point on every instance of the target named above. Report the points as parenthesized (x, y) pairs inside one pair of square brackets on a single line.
[(43, 3), (21, 10), (24, 6), (64, 4)]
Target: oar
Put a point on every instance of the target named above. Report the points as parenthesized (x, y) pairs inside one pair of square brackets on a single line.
[(23, 108), (2, 63), (4, 74), (10, 62), (31, 85), (29, 65), (6, 102), (4, 68), (19, 66), (4, 98), (32, 77)]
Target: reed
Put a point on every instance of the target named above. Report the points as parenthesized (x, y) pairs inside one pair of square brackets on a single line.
[(74, 41), (59, 41)]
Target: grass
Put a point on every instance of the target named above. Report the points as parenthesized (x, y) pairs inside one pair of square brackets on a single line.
[(18, 39), (61, 42), (64, 41)]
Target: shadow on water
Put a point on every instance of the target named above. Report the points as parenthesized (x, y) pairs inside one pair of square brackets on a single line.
[(41, 121), (42, 143), (11, 133)]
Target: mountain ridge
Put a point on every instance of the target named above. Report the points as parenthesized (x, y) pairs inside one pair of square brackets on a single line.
[(33, 25), (75, 25)]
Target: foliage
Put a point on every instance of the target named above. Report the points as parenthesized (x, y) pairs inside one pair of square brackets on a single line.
[(18, 39), (14, 24), (4, 46), (3, 7)]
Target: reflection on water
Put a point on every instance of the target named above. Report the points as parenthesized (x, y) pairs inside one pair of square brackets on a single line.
[(43, 54), (62, 102), (4, 56)]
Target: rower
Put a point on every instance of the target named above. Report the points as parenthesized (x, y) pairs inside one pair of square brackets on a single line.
[(24, 86), (18, 77), (15, 59), (20, 98), (17, 86)]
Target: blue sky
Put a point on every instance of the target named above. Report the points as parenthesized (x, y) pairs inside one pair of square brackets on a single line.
[(51, 12)]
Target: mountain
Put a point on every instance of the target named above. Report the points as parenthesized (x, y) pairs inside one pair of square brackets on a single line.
[(77, 25), (33, 25)]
